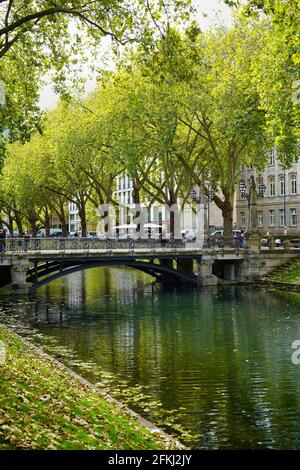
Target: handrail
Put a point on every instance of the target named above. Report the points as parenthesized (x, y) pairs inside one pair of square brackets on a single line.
[(82, 245)]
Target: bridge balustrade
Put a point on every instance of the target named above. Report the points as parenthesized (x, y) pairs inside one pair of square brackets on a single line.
[(85, 245)]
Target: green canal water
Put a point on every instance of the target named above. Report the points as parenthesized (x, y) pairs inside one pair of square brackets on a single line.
[(211, 366)]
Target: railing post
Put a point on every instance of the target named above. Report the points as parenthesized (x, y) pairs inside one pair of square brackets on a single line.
[(86, 246), (131, 246)]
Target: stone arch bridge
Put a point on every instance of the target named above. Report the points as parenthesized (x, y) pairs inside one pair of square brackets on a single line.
[(28, 264)]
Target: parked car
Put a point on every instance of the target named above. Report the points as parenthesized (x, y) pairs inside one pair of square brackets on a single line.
[(266, 242), (75, 234), (188, 235), (57, 233), (53, 232), (220, 233), (91, 234), (295, 243)]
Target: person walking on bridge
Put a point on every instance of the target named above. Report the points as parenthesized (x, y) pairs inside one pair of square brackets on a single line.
[(25, 241), (2, 241)]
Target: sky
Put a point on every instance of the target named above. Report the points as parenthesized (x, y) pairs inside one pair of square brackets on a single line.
[(207, 11)]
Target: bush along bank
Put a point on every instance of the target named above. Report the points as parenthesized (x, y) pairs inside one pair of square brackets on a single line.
[(287, 276), (43, 406)]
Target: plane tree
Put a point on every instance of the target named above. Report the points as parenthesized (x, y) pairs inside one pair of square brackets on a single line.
[(276, 69), (203, 116)]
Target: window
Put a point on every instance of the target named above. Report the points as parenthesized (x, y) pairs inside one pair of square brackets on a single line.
[(272, 157), (72, 217), (282, 217), (293, 217), (242, 167), (128, 198), (271, 218), (282, 185), (243, 219), (260, 218), (124, 182), (72, 207), (293, 184), (272, 186)]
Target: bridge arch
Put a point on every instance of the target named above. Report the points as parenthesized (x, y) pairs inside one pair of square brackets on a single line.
[(54, 271)]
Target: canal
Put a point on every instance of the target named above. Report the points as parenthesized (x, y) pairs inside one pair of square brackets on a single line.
[(211, 366)]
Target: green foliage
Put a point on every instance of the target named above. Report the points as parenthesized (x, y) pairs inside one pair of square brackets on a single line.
[(289, 274), (184, 108), (37, 36), (277, 70)]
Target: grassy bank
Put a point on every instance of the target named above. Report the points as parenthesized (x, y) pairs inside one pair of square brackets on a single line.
[(43, 407), (290, 274)]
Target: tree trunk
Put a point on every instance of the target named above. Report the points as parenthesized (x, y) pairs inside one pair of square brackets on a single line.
[(61, 214), (19, 225), (174, 213), (136, 194), (47, 222), (33, 228), (227, 212), (11, 225), (32, 219), (64, 226), (82, 215)]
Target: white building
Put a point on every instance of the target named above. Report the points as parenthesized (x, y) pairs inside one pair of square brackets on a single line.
[(74, 219)]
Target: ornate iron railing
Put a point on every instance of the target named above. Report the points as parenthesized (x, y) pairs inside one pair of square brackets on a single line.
[(84, 245)]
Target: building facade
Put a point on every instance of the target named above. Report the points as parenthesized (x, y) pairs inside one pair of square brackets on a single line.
[(279, 210), (158, 214), (74, 219)]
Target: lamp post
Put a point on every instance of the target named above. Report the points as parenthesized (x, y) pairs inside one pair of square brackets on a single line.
[(210, 197), (252, 195), (284, 200), (200, 198)]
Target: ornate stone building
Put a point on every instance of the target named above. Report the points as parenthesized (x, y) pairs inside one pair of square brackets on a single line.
[(279, 210)]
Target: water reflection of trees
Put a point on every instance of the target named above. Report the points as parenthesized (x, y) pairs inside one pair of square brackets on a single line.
[(223, 354)]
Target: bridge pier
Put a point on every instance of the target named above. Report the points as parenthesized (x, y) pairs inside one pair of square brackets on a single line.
[(229, 271), (205, 273), (18, 272)]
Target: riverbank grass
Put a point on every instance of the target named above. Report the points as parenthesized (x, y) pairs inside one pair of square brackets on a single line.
[(43, 407), (289, 274)]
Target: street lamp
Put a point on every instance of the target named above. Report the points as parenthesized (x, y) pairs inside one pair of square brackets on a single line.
[(243, 189), (200, 199), (252, 195), (193, 195)]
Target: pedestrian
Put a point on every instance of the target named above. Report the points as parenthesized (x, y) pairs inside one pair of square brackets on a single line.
[(239, 239), (242, 238), (2, 241), (25, 241)]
